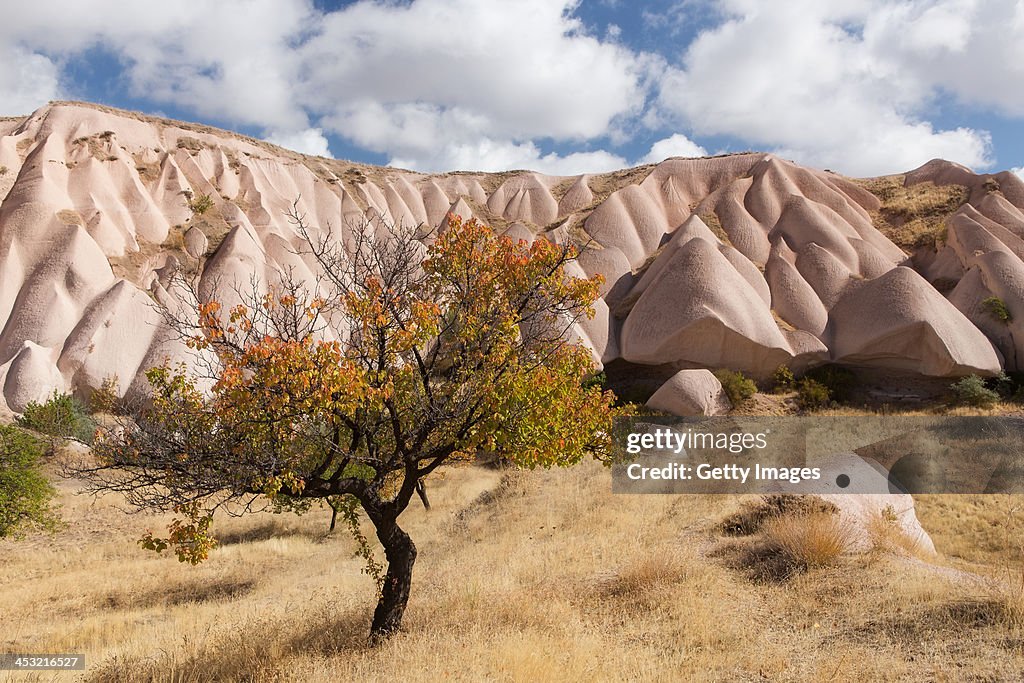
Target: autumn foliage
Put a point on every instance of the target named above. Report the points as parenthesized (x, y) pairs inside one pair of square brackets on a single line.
[(399, 358)]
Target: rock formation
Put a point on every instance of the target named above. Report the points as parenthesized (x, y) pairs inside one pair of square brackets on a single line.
[(744, 261)]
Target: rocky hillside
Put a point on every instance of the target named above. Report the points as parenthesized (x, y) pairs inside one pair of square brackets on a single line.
[(744, 261)]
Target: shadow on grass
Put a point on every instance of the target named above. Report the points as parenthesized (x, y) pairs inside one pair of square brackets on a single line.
[(257, 649), (932, 622), (195, 591), (256, 533)]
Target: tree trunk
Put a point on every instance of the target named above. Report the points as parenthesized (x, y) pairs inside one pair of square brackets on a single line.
[(334, 518), (401, 555)]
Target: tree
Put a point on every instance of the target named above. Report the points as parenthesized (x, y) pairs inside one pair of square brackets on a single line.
[(25, 494), (61, 417), (396, 359)]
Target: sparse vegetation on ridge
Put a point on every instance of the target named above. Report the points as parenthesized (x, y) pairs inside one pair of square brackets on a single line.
[(997, 307), (200, 204), (914, 216)]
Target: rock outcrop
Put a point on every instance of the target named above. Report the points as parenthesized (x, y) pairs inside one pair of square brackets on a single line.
[(691, 392), (744, 261)]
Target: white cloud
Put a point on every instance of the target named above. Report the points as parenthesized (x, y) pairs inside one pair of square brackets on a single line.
[(422, 81), (309, 141), (1019, 171), (232, 59), (799, 78), (27, 81), (441, 84), (407, 80), (676, 145), (492, 155), (970, 48)]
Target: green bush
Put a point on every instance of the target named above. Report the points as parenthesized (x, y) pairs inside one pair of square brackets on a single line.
[(783, 379), (1009, 386), (599, 379), (200, 204), (1002, 384), (812, 394), (62, 416), (997, 307), (971, 391), (738, 387), (26, 497), (838, 380)]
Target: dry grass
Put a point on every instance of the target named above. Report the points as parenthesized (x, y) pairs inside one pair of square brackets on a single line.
[(752, 515), (782, 536), (979, 529), (887, 536), (914, 216), (711, 220), (808, 541), (534, 576)]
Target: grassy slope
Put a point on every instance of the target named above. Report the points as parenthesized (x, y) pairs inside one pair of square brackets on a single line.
[(550, 578)]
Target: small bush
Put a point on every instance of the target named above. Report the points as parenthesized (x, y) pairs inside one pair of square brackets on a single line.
[(738, 387), (106, 399), (783, 379), (807, 541), (752, 516), (200, 204), (1002, 384), (26, 497), (971, 391), (812, 394), (997, 307), (3, 170), (62, 416), (838, 380), (888, 536)]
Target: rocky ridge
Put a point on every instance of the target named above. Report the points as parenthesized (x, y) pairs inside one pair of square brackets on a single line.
[(743, 261)]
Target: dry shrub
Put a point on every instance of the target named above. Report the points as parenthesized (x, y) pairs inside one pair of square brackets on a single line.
[(806, 541), (1009, 595), (752, 515), (644, 575), (886, 534), (785, 535)]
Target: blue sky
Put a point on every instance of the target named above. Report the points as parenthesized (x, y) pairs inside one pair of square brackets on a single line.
[(863, 87)]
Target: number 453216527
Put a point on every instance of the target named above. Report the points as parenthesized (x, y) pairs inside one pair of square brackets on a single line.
[(41, 662)]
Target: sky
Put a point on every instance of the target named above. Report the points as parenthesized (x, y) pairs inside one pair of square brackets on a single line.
[(862, 87)]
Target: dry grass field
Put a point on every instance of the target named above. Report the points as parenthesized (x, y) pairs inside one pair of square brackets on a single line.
[(526, 576)]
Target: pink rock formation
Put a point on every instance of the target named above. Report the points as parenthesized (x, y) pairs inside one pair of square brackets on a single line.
[(691, 392), (745, 261)]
